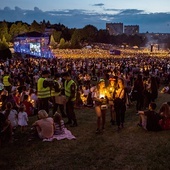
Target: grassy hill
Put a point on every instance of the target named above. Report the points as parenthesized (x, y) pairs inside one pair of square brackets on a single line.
[(132, 148)]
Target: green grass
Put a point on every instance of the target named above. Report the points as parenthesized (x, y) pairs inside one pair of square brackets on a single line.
[(132, 148)]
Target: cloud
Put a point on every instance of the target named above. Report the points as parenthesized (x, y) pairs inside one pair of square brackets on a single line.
[(100, 4), (37, 9), (18, 9), (131, 12), (78, 18)]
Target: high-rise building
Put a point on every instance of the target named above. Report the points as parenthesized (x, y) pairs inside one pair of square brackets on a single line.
[(114, 28), (131, 29)]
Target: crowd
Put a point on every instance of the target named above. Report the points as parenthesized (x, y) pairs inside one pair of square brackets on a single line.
[(31, 86)]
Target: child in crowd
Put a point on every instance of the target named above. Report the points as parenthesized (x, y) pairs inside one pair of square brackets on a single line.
[(28, 106), (11, 115), (165, 114), (22, 118), (59, 124), (149, 119)]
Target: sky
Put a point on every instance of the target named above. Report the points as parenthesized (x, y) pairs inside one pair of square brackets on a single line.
[(150, 15)]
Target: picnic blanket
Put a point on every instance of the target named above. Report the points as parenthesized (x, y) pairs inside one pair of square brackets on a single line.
[(66, 135)]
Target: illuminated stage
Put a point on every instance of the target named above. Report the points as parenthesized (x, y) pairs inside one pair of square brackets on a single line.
[(33, 44)]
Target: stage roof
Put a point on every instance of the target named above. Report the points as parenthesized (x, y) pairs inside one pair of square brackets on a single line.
[(32, 34)]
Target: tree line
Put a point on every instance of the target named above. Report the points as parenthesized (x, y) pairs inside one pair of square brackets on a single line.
[(64, 37)]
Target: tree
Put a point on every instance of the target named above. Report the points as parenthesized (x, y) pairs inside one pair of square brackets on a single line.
[(52, 42), (4, 31), (103, 36), (62, 43), (37, 27), (4, 49), (18, 28), (135, 40), (90, 33), (76, 38), (3, 43), (66, 34), (57, 35)]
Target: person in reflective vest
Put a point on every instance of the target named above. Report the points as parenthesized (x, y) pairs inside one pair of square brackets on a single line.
[(59, 98), (7, 82), (70, 88), (43, 91)]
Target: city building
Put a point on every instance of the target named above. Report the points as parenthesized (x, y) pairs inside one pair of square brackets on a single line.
[(114, 28), (131, 29)]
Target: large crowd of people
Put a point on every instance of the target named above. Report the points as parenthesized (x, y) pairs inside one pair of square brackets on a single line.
[(31, 86)]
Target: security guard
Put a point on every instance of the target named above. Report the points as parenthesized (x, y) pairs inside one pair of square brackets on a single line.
[(44, 91), (7, 82), (70, 88), (57, 97)]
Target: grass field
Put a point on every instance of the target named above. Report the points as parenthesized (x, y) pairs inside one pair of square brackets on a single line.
[(132, 148)]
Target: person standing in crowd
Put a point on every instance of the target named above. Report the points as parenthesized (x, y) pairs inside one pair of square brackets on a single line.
[(44, 91), (11, 114), (111, 90), (29, 109), (153, 88), (7, 81), (139, 87), (100, 99), (120, 103), (70, 88), (9, 98), (59, 99), (34, 100)]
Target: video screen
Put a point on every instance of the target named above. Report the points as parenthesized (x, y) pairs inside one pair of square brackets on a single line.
[(35, 48)]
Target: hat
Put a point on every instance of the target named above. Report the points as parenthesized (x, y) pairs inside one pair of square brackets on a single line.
[(113, 78), (45, 72), (101, 80)]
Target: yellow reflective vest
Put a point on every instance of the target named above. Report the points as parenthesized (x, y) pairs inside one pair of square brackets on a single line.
[(5, 81), (53, 92), (67, 87), (42, 92)]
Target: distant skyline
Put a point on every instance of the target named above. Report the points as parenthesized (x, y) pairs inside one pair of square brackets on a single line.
[(150, 15)]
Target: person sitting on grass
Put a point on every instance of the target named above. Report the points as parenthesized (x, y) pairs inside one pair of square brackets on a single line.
[(149, 119), (44, 126), (59, 124), (165, 114)]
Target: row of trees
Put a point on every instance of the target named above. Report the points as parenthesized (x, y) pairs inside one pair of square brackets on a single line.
[(64, 37)]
